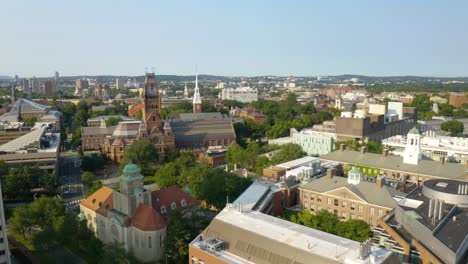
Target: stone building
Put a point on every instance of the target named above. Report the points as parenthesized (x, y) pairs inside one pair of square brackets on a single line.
[(150, 129), (123, 136), (126, 216), (94, 137)]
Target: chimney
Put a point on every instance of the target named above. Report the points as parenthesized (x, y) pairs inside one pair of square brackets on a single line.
[(431, 205), (331, 172), (436, 209), (380, 181), (342, 147), (442, 160), (441, 206), (363, 150), (385, 152)]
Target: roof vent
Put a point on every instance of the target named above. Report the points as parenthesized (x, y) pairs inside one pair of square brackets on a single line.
[(441, 184)]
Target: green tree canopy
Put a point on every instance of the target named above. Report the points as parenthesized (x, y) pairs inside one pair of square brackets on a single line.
[(87, 178), (143, 154), (455, 127), (113, 121), (325, 221), (30, 121)]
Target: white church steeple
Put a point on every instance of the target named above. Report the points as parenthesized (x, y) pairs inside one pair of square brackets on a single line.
[(412, 153), (196, 97)]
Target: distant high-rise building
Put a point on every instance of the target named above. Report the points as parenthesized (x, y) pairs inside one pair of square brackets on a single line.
[(101, 91), (119, 83), (49, 87), (56, 78), (26, 87), (16, 79), (35, 85), (82, 84)]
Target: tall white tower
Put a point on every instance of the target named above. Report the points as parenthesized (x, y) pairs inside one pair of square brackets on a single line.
[(412, 153), (339, 101), (196, 97), (186, 92)]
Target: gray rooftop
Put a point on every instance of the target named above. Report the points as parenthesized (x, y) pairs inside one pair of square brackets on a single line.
[(98, 130), (200, 126), (24, 105), (368, 191), (259, 238), (425, 166)]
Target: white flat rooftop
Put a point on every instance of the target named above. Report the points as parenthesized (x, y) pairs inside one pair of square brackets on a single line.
[(250, 197), (297, 162), (307, 239)]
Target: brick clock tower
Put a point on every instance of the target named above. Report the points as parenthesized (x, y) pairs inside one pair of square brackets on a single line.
[(151, 104), (152, 116)]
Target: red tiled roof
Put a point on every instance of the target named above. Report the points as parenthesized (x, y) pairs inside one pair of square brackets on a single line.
[(134, 110), (100, 201), (147, 219), (173, 194)]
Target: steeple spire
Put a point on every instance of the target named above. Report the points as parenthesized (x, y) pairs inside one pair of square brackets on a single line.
[(196, 96)]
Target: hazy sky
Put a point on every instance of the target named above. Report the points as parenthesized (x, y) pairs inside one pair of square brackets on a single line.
[(393, 37)]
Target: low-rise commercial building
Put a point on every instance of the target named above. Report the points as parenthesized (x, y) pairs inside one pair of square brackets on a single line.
[(243, 94)]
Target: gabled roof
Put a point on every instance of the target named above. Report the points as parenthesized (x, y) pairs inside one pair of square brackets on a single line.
[(24, 105), (173, 194), (99, 201), (367, 191), (147, 219)]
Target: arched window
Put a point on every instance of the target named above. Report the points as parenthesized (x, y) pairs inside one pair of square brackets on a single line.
[(183, 203), (173, 205), (163, 209)]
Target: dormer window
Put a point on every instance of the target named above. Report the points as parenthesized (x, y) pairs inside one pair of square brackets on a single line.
[(94, 200), (163, 209), (173, 205), (183, 203)]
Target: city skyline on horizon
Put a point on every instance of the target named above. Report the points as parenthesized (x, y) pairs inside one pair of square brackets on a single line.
[(245, 38)]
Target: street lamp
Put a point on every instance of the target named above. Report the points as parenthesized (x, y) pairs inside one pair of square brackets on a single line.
[(166, 257)]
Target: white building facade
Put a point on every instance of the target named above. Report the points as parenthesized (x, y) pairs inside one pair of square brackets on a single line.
[(314, 143), (451, 149), (243, 94)]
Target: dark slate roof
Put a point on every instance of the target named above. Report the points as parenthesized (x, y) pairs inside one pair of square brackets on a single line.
[(200, 126), (425, 166)]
